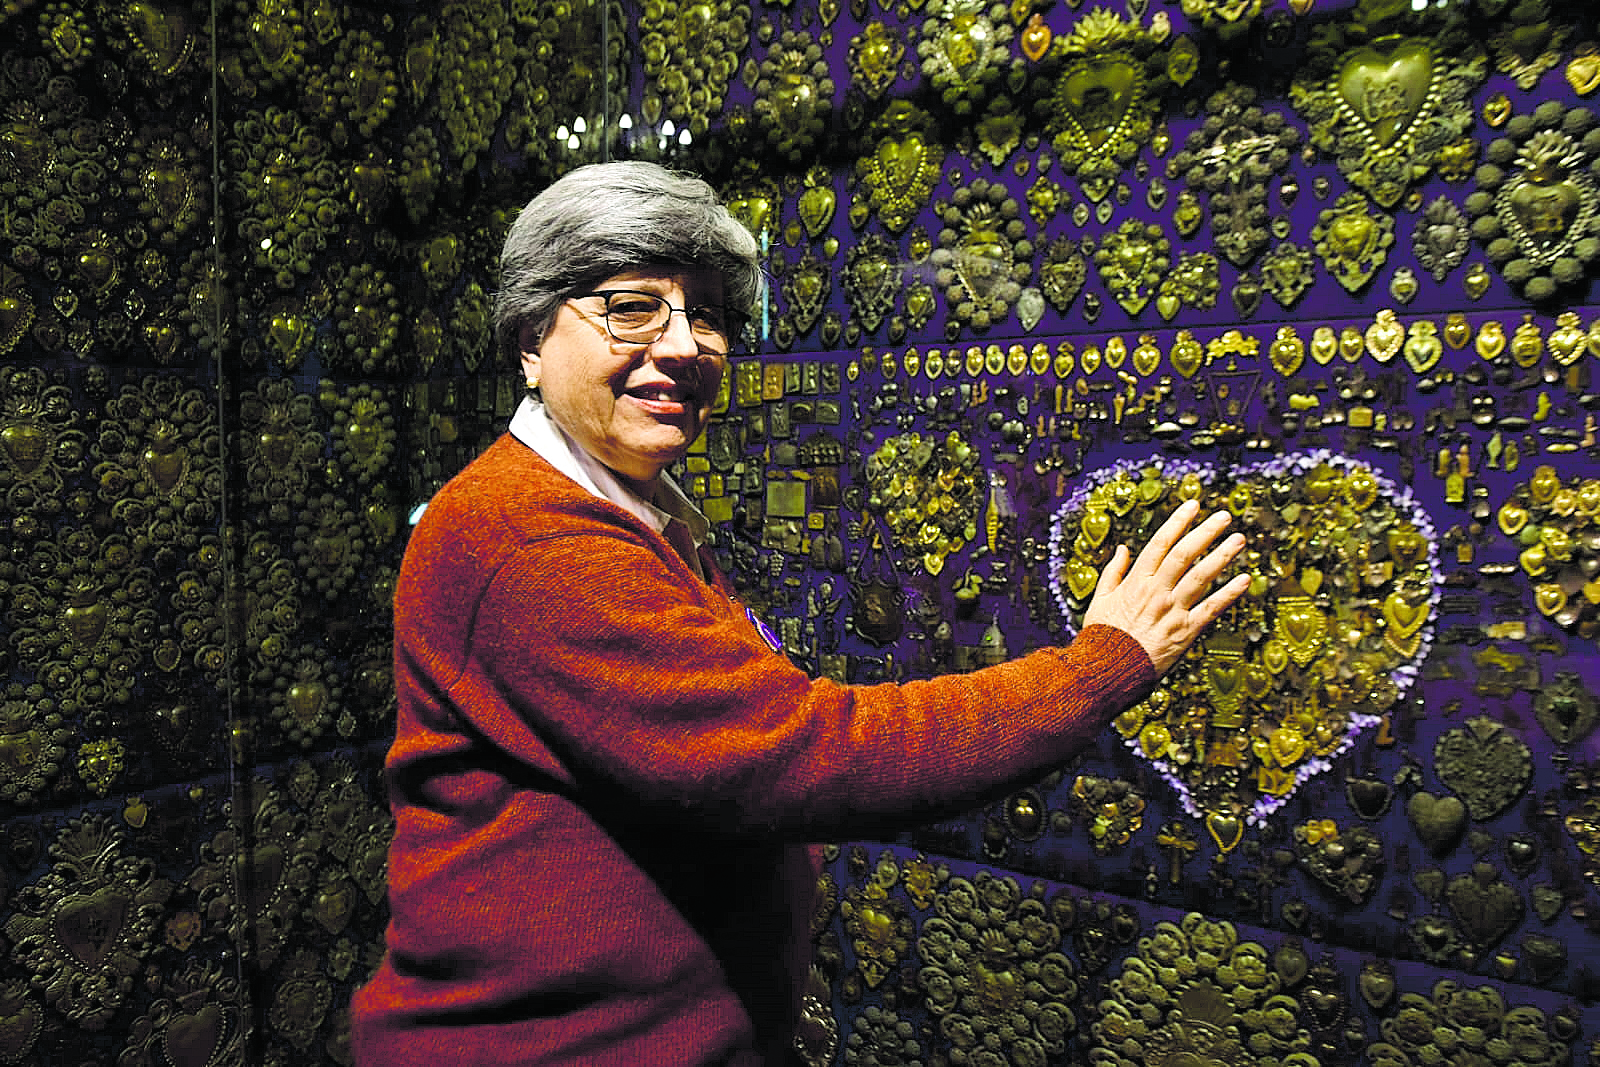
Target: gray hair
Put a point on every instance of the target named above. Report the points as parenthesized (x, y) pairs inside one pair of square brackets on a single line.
[(606, 218)]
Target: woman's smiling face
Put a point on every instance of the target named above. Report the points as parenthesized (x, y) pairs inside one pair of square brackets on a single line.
[(634, 407)]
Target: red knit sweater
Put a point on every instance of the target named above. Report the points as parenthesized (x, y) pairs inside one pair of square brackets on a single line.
[(602, 779)]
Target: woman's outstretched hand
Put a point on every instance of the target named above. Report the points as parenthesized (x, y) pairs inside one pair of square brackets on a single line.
[(1161, 601)]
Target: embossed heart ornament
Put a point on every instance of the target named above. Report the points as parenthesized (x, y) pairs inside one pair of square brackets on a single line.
[(1339, 614)]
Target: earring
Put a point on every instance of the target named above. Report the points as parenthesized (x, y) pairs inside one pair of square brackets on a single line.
[(533, 381)]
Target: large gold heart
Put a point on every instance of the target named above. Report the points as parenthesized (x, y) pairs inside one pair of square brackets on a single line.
[(1096, 96), (24, 445), (162, 35), (1385, 86), (89, 926), (899, 163)]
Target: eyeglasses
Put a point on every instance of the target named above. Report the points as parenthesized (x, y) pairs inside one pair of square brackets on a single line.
[(639, 318)]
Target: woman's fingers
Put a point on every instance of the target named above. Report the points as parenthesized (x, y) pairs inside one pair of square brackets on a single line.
[(1113, 572), (1211, 608), (1198, 578), (1180, 561), (1160, 545)]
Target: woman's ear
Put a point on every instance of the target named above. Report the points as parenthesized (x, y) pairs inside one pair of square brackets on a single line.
[(528, 345)]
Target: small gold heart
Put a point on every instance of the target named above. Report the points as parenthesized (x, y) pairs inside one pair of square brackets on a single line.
[(1081, 579), (1511, 518), (1491, 340), (1403, 617), (1225, 828), (1549, 598), (1096, 525)]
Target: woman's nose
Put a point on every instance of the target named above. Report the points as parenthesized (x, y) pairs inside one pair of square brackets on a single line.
[(678, 343)]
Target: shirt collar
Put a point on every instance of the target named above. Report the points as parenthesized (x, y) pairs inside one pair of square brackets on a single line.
[(532, 425)]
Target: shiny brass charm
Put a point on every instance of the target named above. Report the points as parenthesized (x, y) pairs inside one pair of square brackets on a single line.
[(87, 633), (164, 174), (965, 49), (879, 928), (1193, 282), (1287, 272), (1349, 860), (280, 445), (1383, 108), (982, 258), (691, 53), (88, 925), (1131, 262), (1530, 44), (1454, 1013), (874, 59), (1553, 522), (805, 286), (927, 490), (42, 451), (1113, 808), (1352, 240), (794, 95), (899, 173), (1566, 709), (256, 887), (1064, 270), (1538, 205), (284, 192), (1103, 98), (1441, 238), (871, 281), (195, 1018)]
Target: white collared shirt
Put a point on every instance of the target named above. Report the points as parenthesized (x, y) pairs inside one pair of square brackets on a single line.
[(533, 426)]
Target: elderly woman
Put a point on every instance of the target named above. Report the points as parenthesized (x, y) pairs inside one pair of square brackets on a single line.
[(605, 773)]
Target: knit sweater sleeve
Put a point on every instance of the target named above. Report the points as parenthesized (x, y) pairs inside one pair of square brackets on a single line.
[(592, 648)]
